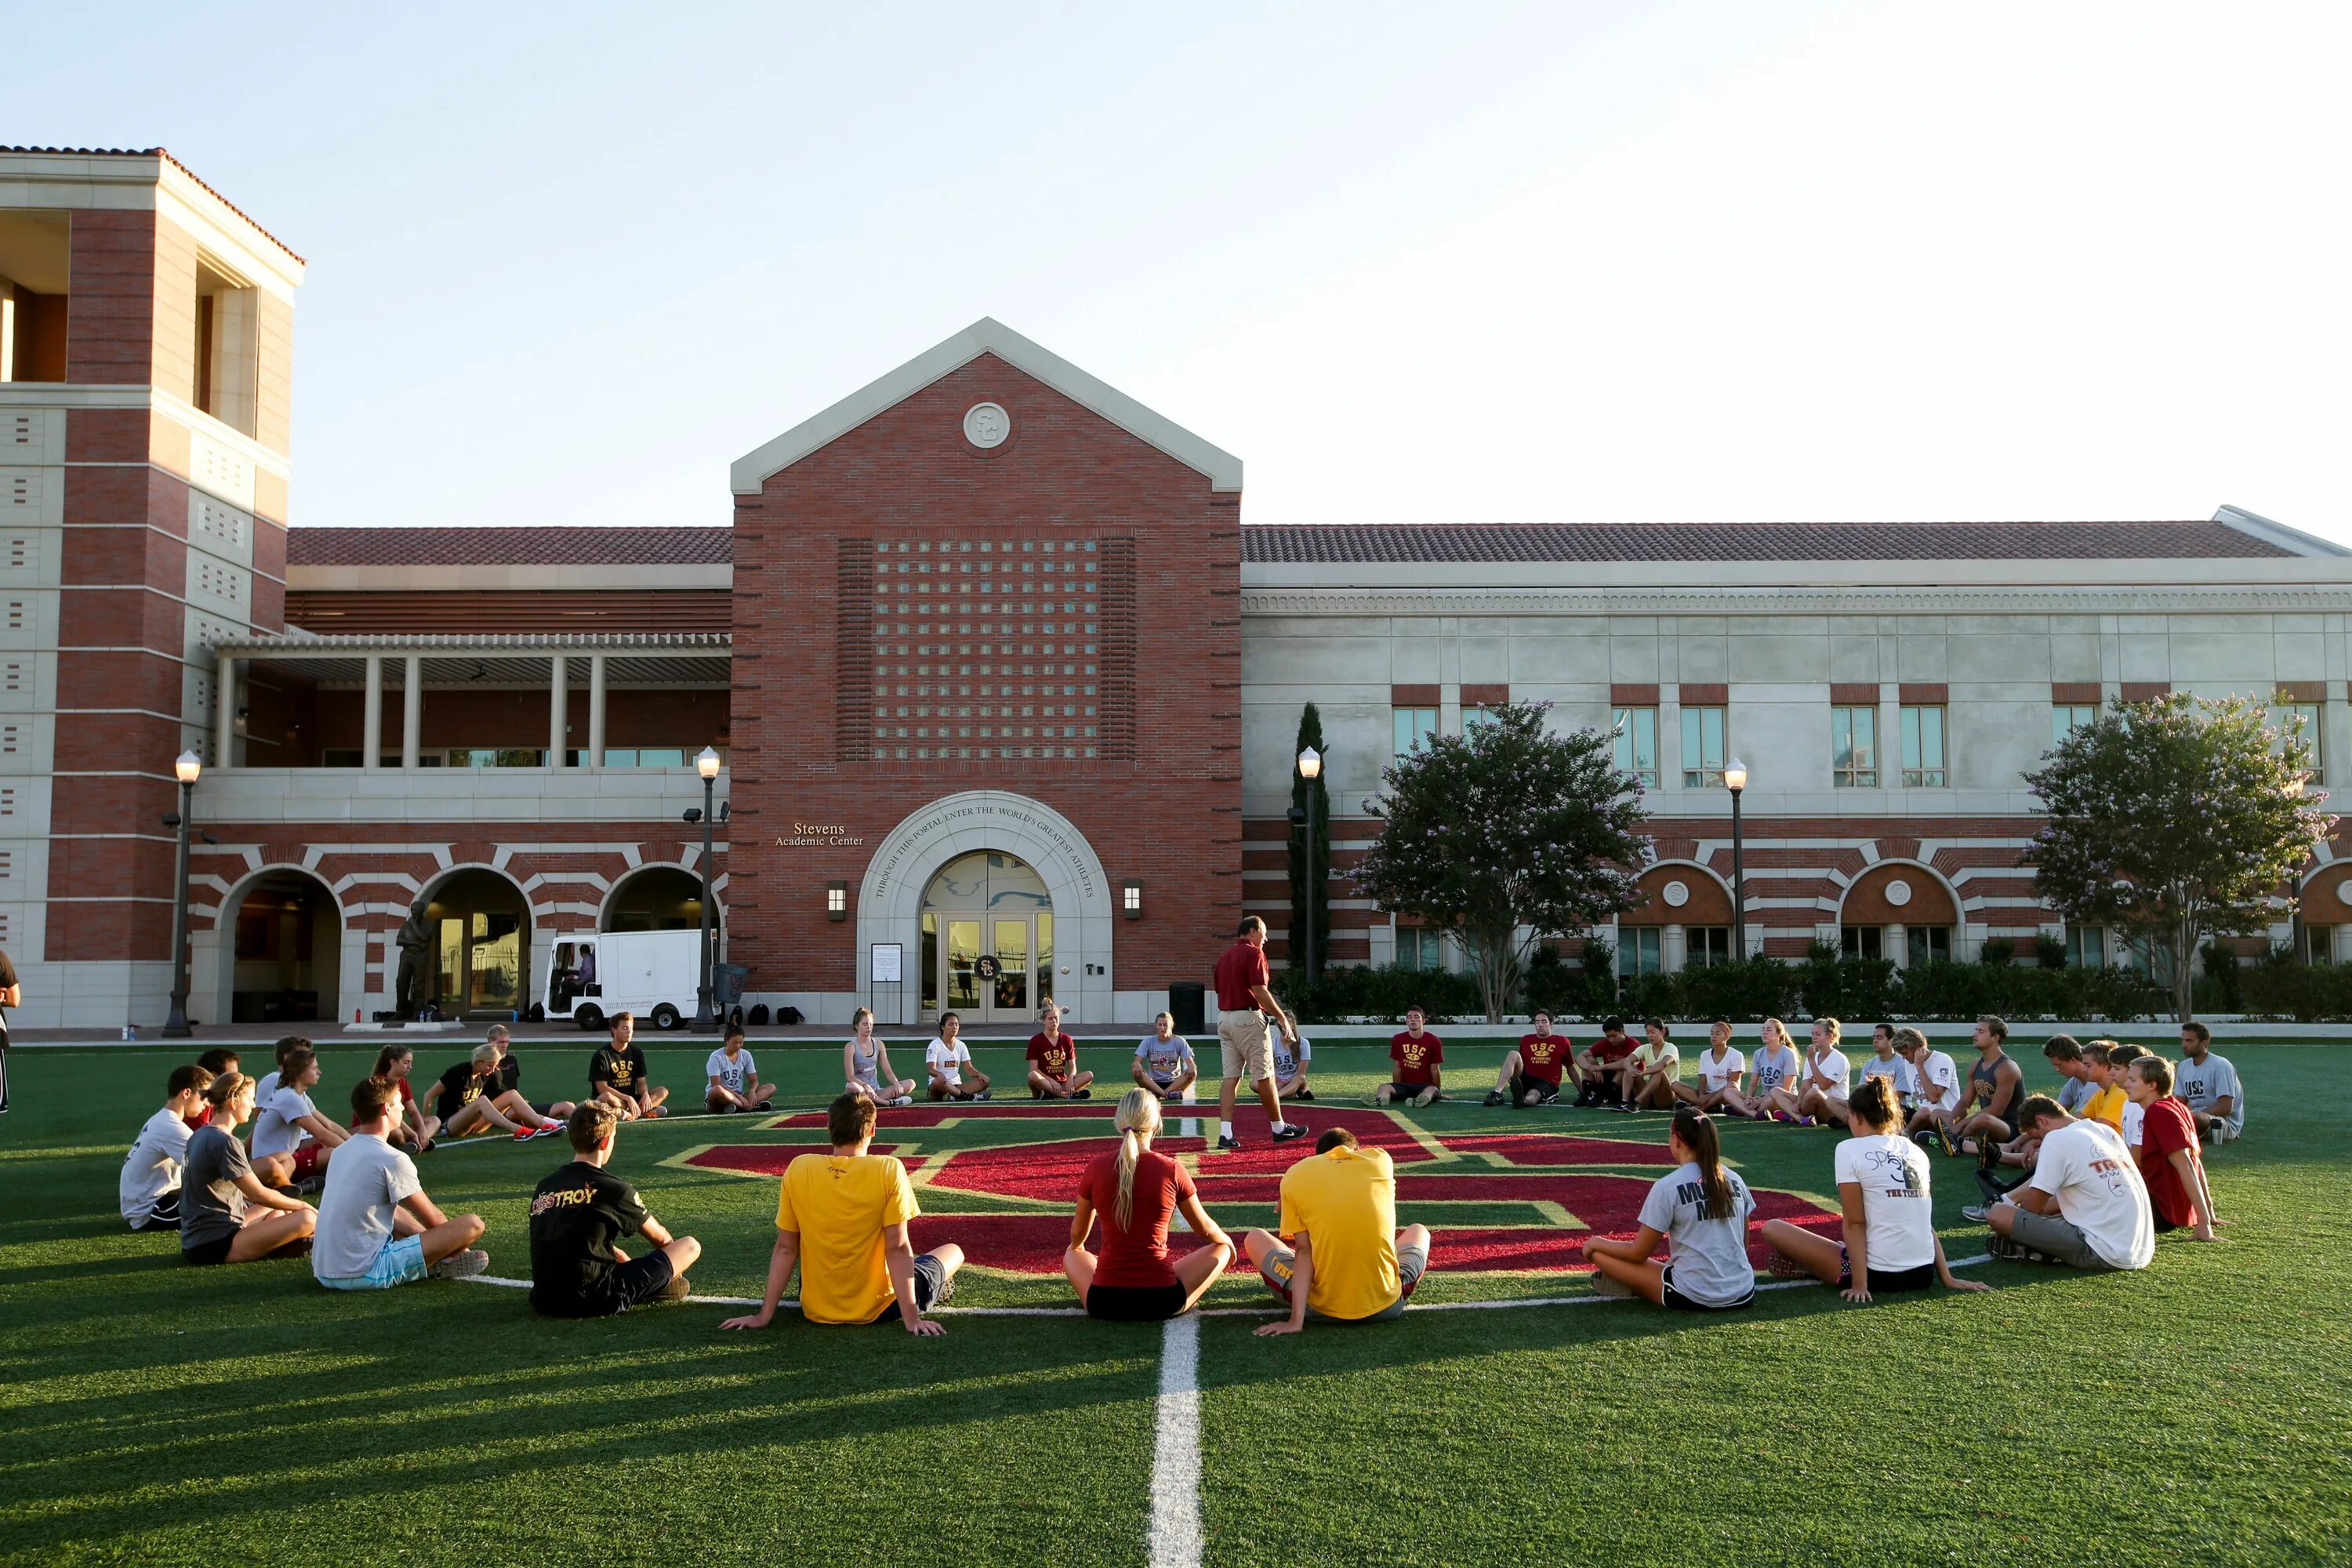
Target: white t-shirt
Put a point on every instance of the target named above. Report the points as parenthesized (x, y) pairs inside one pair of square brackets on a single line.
[(1708, 1256), (948, 1061), (1832, 1066), (2199, 1085), (1775, 1067), (274, 1132), (266, 1086), (365, 1182), (1942, 1079), (735, 1074), (1713, 1072), (1287, 1065), (2133, 1116), (1164, 1059), (152, 1167), (2086, 1167), (1899, 1215)]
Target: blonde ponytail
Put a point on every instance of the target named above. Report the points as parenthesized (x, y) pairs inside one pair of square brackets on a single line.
[(1138, 1117)]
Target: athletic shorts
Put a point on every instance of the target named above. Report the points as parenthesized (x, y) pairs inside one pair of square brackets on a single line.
[(1670, 1297), (399, 1261), (2008, 1133), (932, 1286), (164, 1216), (1246, 1040), (1407, 1090), (1282, 1265), (208, 1254), (1135, 1303), (1524, 1085), (1883, 1280), (2053, 1237), (307, 1155)]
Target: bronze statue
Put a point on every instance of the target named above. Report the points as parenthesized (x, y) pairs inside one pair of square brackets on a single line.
[(415, 939)]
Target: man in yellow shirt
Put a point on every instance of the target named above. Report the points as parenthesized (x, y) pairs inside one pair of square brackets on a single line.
[(842, 1217), (2107, 1097), (1347, 1261)]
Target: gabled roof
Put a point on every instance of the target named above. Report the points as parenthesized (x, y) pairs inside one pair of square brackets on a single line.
[(509, 546), (986, 335)]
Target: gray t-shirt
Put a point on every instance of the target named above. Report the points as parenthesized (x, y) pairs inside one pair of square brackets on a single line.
[(2200, 1084), (1708, 1256), (2073, 1092), (365, 1183), (212, 1206)]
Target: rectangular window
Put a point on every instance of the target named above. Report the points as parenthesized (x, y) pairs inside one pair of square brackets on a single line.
[(1930, 944), (1413, 726), (2086, 947), (1703, 747), (1418, 947), (2065, 718), (2283, 715), (1637, 739), (1473, 717), (1853, 747), (1862, 942), (2319, 945), (1709, 945), (1923, 747), (1638, 952), (223, 352)]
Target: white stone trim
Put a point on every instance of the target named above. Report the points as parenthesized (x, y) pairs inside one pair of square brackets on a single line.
[(2277, 533), (987, 335)]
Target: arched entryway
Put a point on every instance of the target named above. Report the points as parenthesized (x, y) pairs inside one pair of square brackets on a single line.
[(657, 897), (1900, 911), (987, 939), (284, 950), (480, 950)]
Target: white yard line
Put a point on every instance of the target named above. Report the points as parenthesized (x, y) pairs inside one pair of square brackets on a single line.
[(1175, 1534)]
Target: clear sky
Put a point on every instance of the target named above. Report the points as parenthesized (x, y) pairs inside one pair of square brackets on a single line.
[(1551, 262)]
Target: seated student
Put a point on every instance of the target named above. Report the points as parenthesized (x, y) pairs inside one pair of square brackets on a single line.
[(1828, 1076), (1346, 1262), (2170, 1154), (2085, 1205), (376, 1227), (1650, 1074), (2106, 1099), (1996, 1089), (226, 1216), (1937, 1097), (1700, 1210), (616, 1074), (2119, 1060), (1882, 1182), (1885, 1062), (734, 1076), (510, 1078), (149, 1192), (1419, 1056), (1722, 1071), (413, 1126), (267, 1090), (865, 1065), (1774, 1066), (579, 1213), (948, 1063), (841, 1219), (2065, 1055), (470, 1103), (1290, 1062), (2209, 1086), (1054, 1072), (1596, 1067), (1163, 1060), (1136, 1191), (1531, 1074), (288, 1124)]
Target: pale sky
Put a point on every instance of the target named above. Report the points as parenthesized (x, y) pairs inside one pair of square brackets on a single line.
[(1541, 263)]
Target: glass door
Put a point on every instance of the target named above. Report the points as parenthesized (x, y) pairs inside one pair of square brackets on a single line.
[(957, 956), (1010, 1001), (1023, 950)]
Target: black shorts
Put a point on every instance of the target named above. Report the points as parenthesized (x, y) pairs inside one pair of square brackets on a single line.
[(631, 1284), (1135, 1303), (2008, 1133), (931, 1287), (166, 1215), (1543, 1088), (1670, 1297), (208, 1254), (1883, 1280), (1407, 1090)]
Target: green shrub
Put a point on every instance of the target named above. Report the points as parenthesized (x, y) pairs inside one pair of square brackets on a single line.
[(1995, 951)]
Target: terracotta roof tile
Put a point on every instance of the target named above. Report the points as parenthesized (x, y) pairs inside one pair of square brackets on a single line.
[(1350, 543), (165, 153), (509, 546)]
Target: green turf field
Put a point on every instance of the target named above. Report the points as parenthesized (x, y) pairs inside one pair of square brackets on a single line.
[(2196, 1412)]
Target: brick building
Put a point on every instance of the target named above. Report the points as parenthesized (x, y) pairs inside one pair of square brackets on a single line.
[(1001, 681)]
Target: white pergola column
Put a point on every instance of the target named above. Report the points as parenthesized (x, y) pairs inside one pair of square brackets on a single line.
[(225, 713), (558, 698), (1898, 946), (372, 715), (595, 709), (412, 708), (1672, 950)]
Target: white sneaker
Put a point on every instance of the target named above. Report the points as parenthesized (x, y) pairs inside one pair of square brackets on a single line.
[(902, 1100), (1609, 1285), (463, 1264)]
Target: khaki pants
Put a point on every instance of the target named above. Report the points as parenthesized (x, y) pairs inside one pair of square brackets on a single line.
[(1246, 1044)]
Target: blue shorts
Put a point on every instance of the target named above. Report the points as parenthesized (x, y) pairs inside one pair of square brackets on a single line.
[(401, 1262)]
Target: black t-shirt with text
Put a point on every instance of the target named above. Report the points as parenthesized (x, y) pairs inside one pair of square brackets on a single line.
[(576, 1216), (623, 1069), (460, 1086), (510, 1072)]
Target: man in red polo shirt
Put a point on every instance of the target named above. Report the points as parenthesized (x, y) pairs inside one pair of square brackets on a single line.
[(1245, 1002), (2171, 1159)]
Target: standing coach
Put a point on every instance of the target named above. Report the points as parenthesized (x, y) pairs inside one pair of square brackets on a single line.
[(1243, 1005)]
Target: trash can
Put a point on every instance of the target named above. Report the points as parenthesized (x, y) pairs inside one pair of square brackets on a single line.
[(1188, 1004), (727, 984)]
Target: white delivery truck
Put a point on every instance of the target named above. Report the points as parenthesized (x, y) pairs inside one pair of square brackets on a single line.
[(651, 973)]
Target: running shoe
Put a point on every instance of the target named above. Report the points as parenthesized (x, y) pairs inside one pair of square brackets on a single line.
[(1226, 1144), (1974, 1213), (1493, 1097), (1609, 1285), (1288, 1131), (525, 1134), (763, 1105), (903, 1099), (678, 1289), (985, 1094), (463, 1264), (1426, 1097), (430, 1144), (1303, 1094), (1944, 1136), (1083, 1094)]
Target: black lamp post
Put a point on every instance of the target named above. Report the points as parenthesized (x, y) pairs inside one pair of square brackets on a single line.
[(707, 764), (175, 1024), (1310, 768), (1734, 779)]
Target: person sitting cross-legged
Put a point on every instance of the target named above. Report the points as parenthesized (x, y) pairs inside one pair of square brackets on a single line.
[(2085, 1205), (616, 1074), (1346, 1260), (2209, 1086), (842, 1220), (511, 1078), (1722, 1073), (1531, 1074), (1774, 1066), (865, 1065), (1419, 1076), (1884, 1185), (734, 1076), (1700, 1210), (470, 1103), (288, 1128), (1597, 1068), (1163, 1062), (1651, 1073), (1937, 1111), (1136, 1191), (227, 1215), (149, 1192), (1818, 1097), (580, 1214), (947, 1061), (2171, 1155), (376, 1227), (1054, 1070)]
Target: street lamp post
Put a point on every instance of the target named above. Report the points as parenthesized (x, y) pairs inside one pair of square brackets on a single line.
[(1734, 779), (175, 1025), (1310, 768), (707, 764)]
